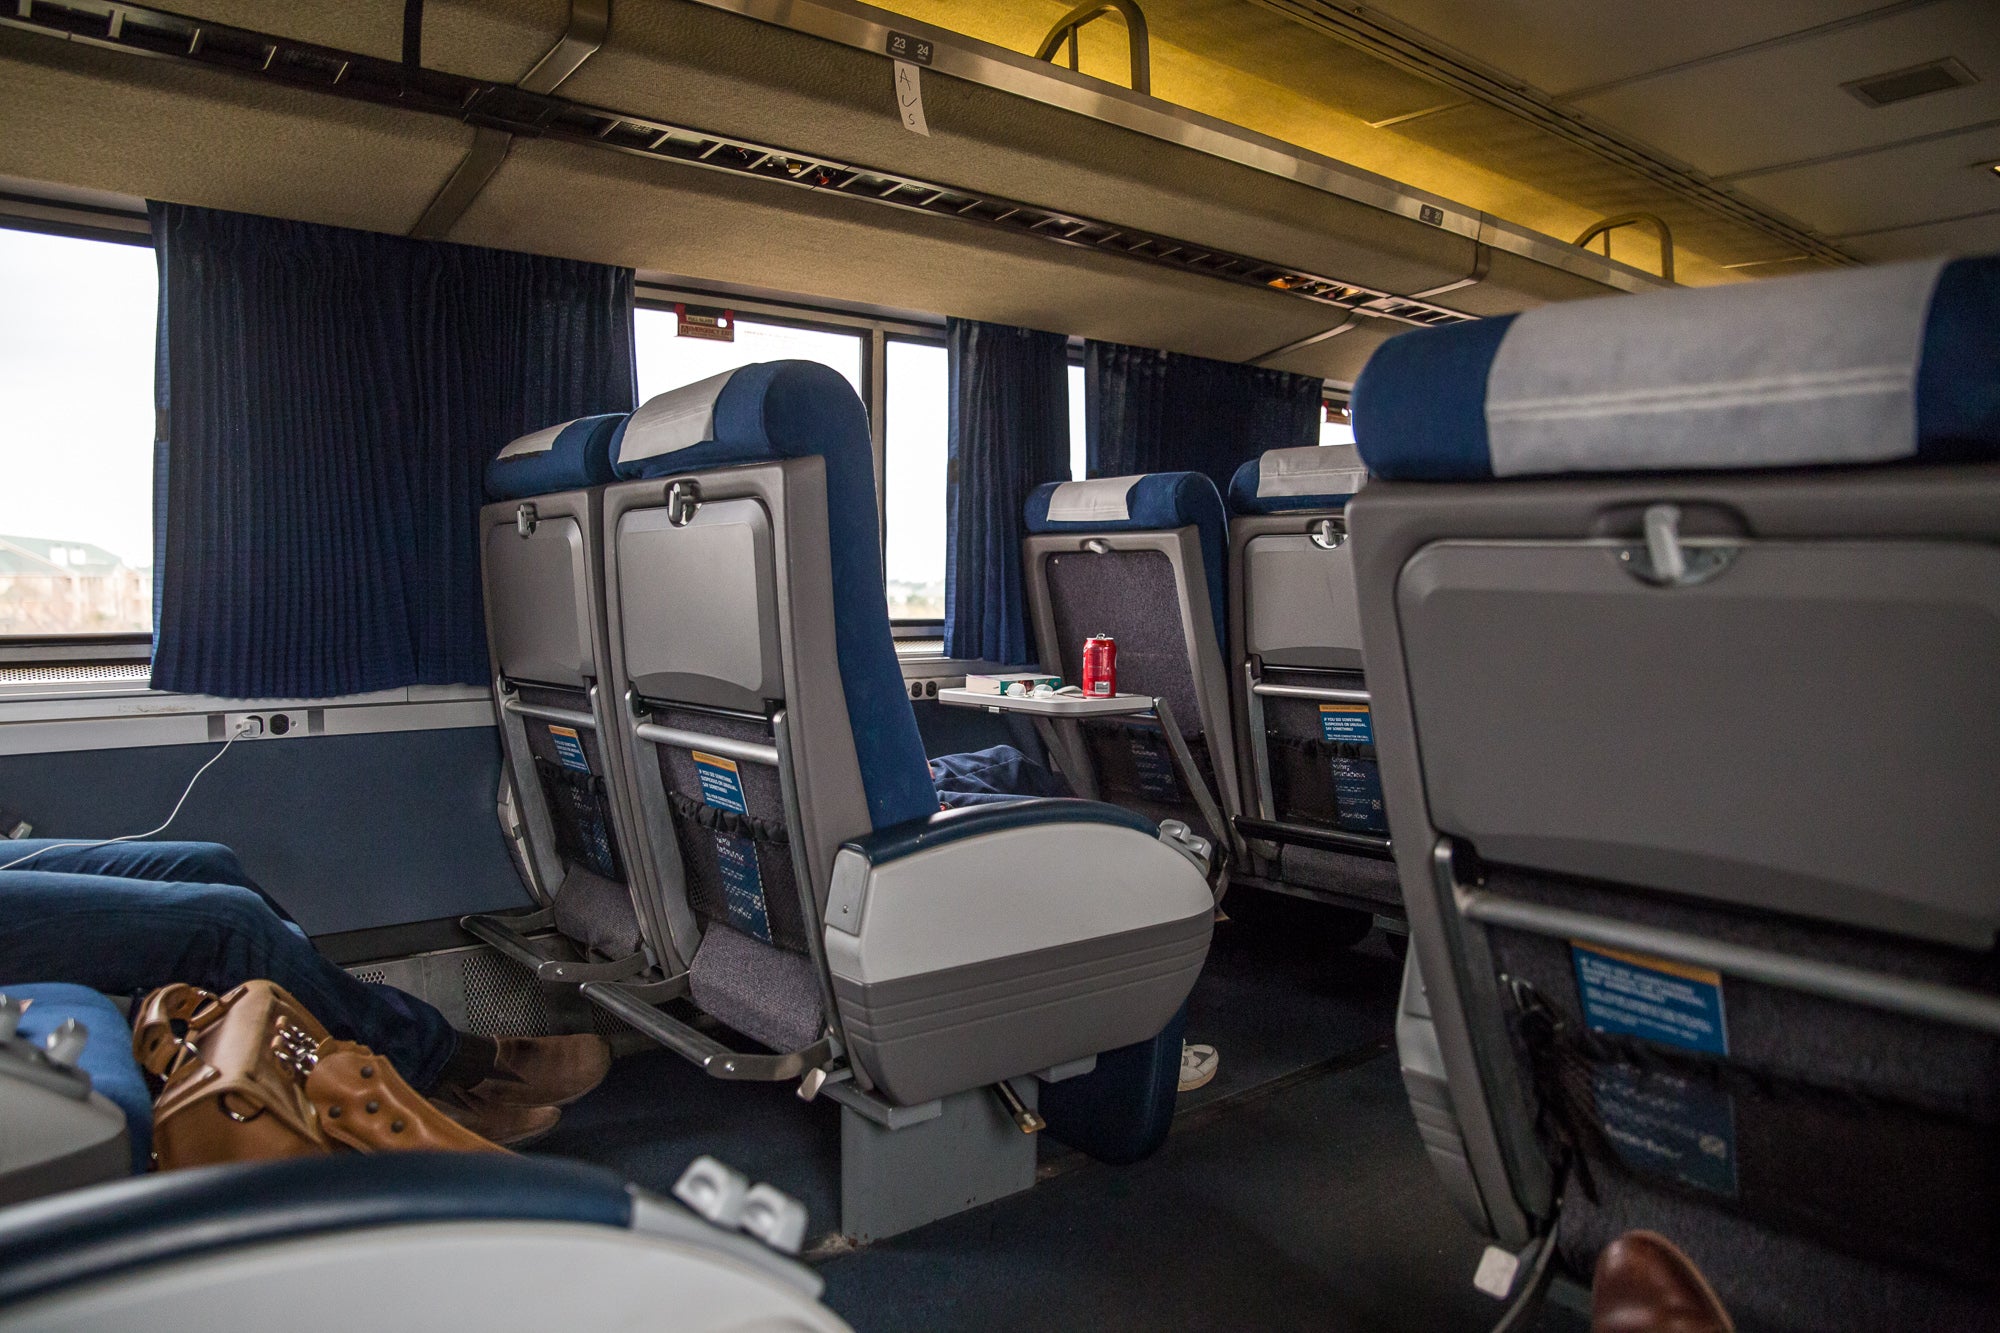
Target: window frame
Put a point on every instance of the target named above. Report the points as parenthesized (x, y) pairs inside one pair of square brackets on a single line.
[(82, 222), (911, 627), (875, 331)]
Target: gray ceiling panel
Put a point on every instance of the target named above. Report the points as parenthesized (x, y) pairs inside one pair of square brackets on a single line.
[(1786, 104), (1563, 45), (1968, 236), (1896, 187)]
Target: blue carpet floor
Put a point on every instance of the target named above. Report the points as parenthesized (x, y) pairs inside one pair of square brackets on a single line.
[(1293, 1193)]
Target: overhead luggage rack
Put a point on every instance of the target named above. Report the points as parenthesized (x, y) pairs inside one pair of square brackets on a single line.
[(479, 102)]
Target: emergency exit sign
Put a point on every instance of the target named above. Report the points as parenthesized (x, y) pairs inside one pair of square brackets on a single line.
[(703, 322)]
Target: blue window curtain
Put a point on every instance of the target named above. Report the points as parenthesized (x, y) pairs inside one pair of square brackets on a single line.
[(1153, 411), (327, 402), (1009, 434)]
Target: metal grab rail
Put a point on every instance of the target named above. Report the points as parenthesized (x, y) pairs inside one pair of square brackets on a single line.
[(1091, 10), (1930, 1000), (1329, 692), (567, 716), (748, 751), (1653, 220)]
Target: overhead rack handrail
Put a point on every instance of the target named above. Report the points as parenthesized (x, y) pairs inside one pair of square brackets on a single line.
[(1653, 220), (1136, 35), (350, 74)]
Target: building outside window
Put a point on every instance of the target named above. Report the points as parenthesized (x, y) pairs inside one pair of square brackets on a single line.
[(77, 326)]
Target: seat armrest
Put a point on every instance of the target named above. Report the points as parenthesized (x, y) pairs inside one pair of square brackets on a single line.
[(93, 1233), (947, 826), (996, 940)]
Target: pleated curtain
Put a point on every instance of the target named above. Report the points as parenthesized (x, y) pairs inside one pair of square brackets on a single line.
[(1152, 411), (1009, 433), (328, 400)]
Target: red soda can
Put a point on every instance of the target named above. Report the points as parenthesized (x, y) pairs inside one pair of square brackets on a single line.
[(1100, 666)]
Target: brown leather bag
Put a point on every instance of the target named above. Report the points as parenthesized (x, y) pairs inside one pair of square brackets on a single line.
[(252, 1075)]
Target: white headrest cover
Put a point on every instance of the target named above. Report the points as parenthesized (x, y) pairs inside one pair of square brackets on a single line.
[(675, 420), (1744, 375), (539, 443), (1320, 469), (1094, 501)]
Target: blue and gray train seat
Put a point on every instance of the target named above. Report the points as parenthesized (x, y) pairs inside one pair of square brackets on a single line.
[(839, 929), (1312, 791), (540, 537), (402, 1241), (1683, 619), (74, 1107), (1143, 560)]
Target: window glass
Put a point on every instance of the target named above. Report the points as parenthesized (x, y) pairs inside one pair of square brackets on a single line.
[(668, 361), (917, 422), (915, 446), (76, 435), (1335, 432), (1079, 463)]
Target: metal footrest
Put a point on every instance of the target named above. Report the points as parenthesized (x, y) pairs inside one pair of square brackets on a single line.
[(715, 1059), (1320, 839), (508, 934)]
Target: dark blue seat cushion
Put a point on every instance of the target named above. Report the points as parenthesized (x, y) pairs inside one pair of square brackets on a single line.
[(797, 409), (577, 456), (1421, 403), (1160, 502), (86, 1235), (1297, 480), (107, 1056)]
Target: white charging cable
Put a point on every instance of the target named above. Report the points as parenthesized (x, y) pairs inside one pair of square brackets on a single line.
[(242, 729)]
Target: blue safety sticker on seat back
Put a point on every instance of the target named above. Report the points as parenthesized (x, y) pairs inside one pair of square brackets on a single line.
[(735, 857), (1357, 777), (1654, 999), (1153, 766), (721, 783), (1346, 722), (1677, 1128), (742, 886), (569, 748)]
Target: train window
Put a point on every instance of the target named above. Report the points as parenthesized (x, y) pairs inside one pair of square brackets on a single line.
[(667, 360), (916, 423), (1336, 432), (1079, 466), (76, 435), (916, 418)]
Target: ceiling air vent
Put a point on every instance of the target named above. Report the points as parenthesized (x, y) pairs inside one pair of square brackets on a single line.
[(1900, 85)]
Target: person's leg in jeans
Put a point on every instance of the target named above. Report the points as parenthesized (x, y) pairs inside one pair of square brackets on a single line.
[(123, 935), (161, 862)]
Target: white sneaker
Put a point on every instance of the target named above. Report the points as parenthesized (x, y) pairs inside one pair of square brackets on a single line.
[(1198, 1066)]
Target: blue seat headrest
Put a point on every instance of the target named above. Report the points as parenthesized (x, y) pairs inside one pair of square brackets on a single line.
[(1859, 366), (1154, 502), (569, 457), (778, 410), (1285, 481)]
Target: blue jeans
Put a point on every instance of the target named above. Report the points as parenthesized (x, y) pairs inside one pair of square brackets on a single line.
[(129, 917), (992, 777)]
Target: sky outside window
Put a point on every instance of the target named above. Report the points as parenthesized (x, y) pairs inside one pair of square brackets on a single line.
[(668, 361), (76, 434)]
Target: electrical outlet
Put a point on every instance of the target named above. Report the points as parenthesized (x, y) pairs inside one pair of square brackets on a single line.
[(262, 726)]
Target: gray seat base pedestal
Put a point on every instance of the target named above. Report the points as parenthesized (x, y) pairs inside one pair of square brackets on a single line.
[(893, 1180)]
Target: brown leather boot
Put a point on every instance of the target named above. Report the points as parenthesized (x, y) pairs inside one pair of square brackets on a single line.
[(543, 1071), (1644, 1284), (508, 1126)]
